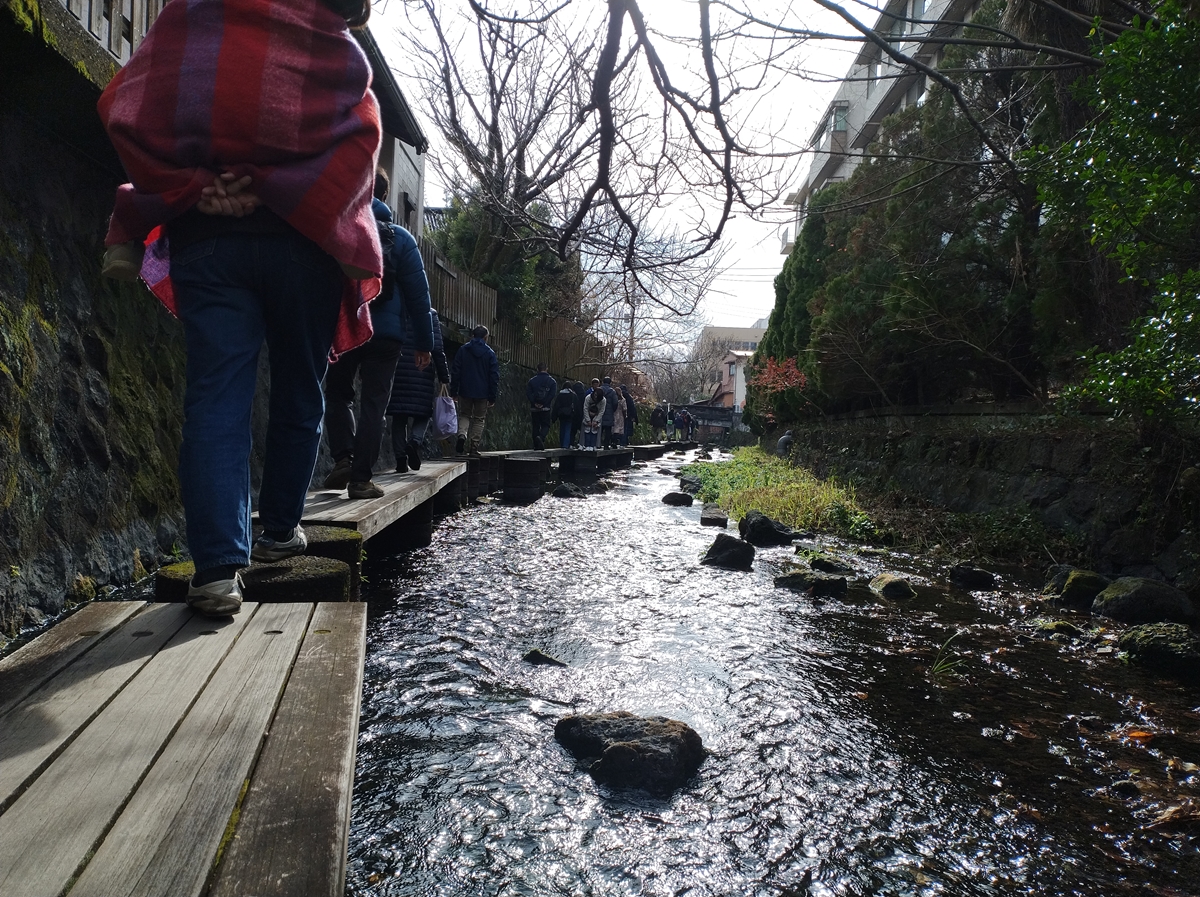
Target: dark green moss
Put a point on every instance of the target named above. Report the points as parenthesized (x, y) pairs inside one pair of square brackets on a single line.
[(1170, 648)]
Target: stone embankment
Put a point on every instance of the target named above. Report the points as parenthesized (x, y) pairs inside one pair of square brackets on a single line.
[(1131, 498)]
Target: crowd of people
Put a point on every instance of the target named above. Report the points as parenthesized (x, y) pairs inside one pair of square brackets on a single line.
[(261, 216)]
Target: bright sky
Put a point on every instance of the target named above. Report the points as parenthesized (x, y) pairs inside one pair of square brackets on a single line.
[(787, 115)]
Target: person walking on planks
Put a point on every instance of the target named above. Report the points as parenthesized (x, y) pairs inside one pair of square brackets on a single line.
[(563, 410), (475, 383), (411, 406), (404, 297), (539, 391), (255, 205)]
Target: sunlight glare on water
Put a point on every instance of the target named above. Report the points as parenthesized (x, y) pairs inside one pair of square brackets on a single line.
[(831, 750)]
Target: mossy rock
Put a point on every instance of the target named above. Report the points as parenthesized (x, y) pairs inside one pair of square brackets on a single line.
[(1056, 627), (298, 579), (338, 543), (1170, 648), (1081, 588), (1133, 599), (892, 587)]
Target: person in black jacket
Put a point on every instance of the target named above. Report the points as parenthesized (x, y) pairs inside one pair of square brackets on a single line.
[(563, 411), (658, 422), (405, 295), (577, 420), (540, 392), (631, 417), (610, 411), (412, 398)]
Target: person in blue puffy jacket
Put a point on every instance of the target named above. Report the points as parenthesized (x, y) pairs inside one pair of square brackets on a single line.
[(405, 296)]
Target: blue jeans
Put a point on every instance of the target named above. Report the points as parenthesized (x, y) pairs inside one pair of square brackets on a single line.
[(234, 291), (564, 432)]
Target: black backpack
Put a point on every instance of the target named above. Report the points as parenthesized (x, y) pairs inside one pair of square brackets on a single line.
[(387, 242)]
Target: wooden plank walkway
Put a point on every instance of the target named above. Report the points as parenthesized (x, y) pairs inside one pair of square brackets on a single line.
[(146, 750), (403, 493)]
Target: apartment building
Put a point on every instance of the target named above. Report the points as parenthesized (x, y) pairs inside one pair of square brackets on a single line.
[(874, 88)]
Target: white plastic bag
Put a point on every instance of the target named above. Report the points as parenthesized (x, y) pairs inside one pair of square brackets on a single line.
[(445, 415)]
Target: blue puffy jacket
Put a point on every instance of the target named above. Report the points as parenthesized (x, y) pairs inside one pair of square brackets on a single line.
[(410, 295), (475, 372)]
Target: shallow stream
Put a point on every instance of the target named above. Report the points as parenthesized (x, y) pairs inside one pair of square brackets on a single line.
[(1025, 764)]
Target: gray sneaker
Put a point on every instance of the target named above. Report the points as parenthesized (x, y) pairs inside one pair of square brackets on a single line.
[(222, 598), (267, 550)]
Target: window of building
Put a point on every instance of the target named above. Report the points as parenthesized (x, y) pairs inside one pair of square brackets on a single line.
[(732, 370), (841, 118)]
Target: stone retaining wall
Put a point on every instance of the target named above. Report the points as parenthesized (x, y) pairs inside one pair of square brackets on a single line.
[(1128, 494)]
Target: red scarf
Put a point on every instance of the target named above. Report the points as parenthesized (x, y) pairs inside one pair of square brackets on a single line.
[(276, 89)]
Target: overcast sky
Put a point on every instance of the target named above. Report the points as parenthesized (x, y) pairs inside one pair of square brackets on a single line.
[(787, 115)]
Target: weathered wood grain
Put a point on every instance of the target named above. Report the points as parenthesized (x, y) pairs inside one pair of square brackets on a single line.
[(37, 728), (403, 493), (24, 671), (48, 832), (165, 841), (291, 835)]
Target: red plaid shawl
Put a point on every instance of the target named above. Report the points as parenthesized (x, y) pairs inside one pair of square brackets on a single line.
[(276, 89)]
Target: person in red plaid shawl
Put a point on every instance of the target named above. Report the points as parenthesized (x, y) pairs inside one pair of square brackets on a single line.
[(250, 135)]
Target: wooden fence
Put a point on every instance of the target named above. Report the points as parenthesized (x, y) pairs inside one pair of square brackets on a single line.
[(117, 25), (463, 302)]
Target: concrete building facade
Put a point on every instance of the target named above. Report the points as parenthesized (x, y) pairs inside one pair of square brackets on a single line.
[(874, 88)]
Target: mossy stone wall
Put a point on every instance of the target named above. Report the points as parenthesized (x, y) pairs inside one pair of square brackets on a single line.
[(91, 372)]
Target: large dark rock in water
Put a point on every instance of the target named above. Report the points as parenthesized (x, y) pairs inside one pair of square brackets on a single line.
[(712, 515), (759, 529), (1170, 648), (627, 751), (816, 584), (729, 553), (827, 563), (568, 490), (1132, 599), (690, 485), (968, 576), (679, 499)]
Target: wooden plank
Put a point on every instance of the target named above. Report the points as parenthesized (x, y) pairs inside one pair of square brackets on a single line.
[(295, 822), (37, 728), (403, 493), (165, 842), (24, 671), (95, 21), (47, 834)]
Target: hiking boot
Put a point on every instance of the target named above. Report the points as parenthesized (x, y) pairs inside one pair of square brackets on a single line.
[(339, 477), (364, 490), (267, 550), (123, 261), (401, 464), (222, 598), (460, 446), (412, 452)]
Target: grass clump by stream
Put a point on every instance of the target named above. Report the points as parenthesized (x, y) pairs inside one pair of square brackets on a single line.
[(757, 481)]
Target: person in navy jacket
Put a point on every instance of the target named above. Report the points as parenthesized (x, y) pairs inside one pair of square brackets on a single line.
[(405, 296), (540, 393), (475, 384)]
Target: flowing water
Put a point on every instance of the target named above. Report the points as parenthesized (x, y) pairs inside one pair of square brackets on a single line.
[(839, 746)]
